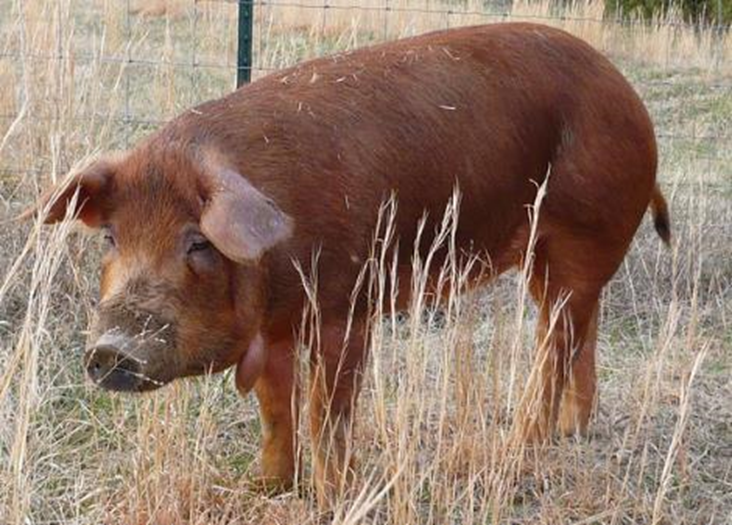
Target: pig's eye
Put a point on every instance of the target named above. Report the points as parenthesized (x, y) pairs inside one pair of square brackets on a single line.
[(108, 237), (198, 245)]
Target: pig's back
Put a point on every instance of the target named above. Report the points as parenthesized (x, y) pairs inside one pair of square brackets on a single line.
[(485, 109)]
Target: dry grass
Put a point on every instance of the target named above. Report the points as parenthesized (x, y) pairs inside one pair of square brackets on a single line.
[(434, 439)]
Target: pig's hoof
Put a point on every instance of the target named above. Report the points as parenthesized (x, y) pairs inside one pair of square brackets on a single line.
[(270, 485)]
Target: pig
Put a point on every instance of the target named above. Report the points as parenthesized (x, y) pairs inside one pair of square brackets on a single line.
[(206, 219)]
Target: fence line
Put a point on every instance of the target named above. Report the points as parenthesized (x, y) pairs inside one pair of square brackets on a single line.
[(388, 8)]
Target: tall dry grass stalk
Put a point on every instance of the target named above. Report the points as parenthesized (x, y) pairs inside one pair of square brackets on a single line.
[(435, 438)]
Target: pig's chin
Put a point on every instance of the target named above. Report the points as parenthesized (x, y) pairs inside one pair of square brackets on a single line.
[(130, 383), (133, 382), (125, 378)]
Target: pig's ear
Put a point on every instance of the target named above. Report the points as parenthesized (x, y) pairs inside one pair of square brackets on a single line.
[(92, 183), (240, 221)]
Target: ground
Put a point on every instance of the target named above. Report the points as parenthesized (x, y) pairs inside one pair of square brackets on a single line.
[(433, 439)]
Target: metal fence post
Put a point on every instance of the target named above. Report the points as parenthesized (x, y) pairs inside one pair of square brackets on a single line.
[(244, 41)]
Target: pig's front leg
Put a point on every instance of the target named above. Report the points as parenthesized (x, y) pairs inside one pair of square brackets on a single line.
[(336, 372), (277, 394)]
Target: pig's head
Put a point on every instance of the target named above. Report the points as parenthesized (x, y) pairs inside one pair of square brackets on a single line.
[(182, 292)]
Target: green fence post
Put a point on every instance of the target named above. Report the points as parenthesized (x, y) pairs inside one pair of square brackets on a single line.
[(244, 41)]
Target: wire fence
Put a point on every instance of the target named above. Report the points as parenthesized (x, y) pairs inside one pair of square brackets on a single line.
[(196, 46)]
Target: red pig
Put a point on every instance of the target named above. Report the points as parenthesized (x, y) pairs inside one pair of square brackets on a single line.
[(206, 217)]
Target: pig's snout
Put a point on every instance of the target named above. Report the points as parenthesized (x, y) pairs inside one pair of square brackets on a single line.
[(111, 366)]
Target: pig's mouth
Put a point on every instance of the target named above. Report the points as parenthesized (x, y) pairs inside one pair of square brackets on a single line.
[(114, 362)]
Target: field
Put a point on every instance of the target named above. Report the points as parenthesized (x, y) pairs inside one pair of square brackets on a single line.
[(434, 441)]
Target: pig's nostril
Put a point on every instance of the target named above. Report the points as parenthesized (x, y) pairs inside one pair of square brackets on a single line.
[(96, 371), (109, 365), (101, 360)]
